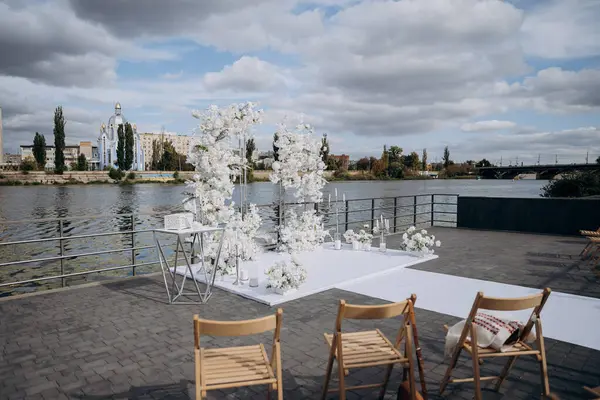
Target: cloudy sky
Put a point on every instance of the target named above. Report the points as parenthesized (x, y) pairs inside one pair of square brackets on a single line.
[(489, 79)]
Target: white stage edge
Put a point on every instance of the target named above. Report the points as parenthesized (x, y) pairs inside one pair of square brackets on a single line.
[(566, 317), (326, 269)]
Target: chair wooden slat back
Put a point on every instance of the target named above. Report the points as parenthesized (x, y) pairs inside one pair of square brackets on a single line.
[(519, 303), (370, 348), (238, 366), (237, 328), (468, 339)]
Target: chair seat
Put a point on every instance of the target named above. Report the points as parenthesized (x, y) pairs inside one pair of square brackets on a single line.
[(589, 233), (515, 348), (223, 366), (367, 348)]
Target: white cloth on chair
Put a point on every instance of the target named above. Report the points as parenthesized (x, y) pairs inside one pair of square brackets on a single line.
[(494, 332)]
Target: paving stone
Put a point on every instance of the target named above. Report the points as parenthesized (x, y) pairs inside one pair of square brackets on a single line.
[(121, 340)]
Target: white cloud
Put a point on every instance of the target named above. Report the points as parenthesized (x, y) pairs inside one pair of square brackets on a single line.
[(491, 125), (248, 74), (561, 29)]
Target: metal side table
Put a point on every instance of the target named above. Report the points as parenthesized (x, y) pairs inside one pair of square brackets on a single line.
[(176, 294)]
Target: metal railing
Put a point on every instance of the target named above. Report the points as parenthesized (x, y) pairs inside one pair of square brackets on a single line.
[(402, 211)]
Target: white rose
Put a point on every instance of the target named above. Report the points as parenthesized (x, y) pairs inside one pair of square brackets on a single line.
[(438, 243)]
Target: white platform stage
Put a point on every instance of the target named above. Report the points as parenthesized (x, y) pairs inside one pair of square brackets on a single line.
[(570, 318), (326, 269)]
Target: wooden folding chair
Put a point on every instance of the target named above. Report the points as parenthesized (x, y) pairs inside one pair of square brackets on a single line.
[(590, 244), (370, 348), (222, 368), (468, 341), (593, 251), (595, 391)]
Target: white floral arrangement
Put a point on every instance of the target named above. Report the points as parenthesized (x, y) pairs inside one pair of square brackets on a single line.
[(364, 236), (285, 276), (209, 192), (300, 165), (350, 236), (414, 240), (302, 233)]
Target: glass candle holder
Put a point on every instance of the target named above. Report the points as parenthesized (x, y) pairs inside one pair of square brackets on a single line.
[(337, 241), (253, 275), (382, 244)]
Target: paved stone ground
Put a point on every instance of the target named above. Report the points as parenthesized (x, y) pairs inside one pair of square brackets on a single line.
[(120, 340), (514, 258)]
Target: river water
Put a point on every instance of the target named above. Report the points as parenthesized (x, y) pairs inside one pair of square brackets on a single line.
[(95, 209)]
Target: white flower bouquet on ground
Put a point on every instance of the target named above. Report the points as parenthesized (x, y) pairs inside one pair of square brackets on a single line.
[(285, 276), (419, 242)]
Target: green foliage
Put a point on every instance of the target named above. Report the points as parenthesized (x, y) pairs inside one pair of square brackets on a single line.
[(325, 149), (250, 147), (73, 166), (176, 175), (385, 159), (59, 140), (116, 174), (363, 164), (396, 170), (82, 164), (28, 164), (128, 147), (483, 163), (131, 175), (169, 160), (275, 148), (411, 161), (424, 160), (156, 154), (446, 157), (395, 154), (39, 150), (576, 184), (121, 148), (333, 164)]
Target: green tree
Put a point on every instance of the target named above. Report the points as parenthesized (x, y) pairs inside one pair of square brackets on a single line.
[(598, 160), (250, 147), (156, 155), (82, 164), (28, 164), (59, 140), (39, 150), (424, 160), (121, 148), (362, 164), (128, 146), (483, 163), (395, 154), (396, 170), (446, 157), (325, 149), (385, 158), (169, 160), (275, 148)]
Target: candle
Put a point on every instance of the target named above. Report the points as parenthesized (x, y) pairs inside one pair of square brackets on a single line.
[(244, 275), (377, 224), (387, 224), (344, 197), (336, 193), (329, 200)]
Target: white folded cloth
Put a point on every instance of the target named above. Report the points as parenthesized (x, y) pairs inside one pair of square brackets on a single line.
[(491, 331)]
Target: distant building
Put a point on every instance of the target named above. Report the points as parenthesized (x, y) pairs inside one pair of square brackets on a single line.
[(109, 139), (71, 154), (12, 159), (181, 143), (343, 159)]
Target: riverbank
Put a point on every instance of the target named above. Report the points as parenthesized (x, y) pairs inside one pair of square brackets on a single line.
[(26, 178)]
